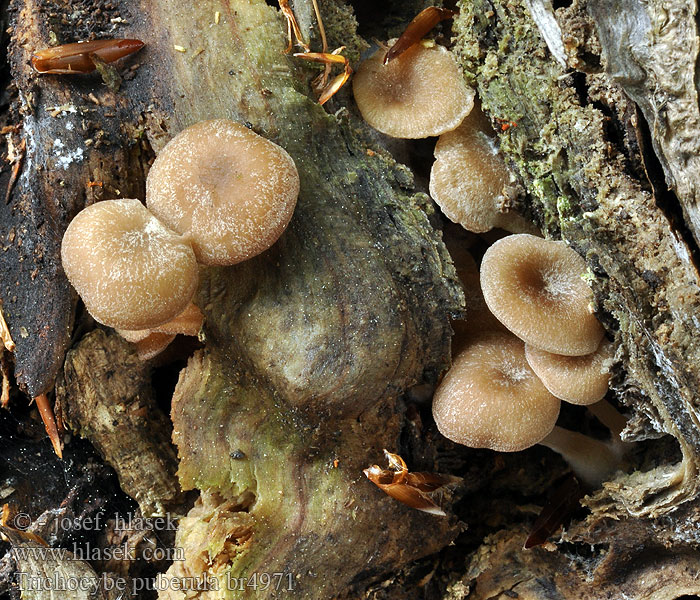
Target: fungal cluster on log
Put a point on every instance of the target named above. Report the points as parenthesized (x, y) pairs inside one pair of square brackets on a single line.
[(217, 194), (545, 345), (504, 389)]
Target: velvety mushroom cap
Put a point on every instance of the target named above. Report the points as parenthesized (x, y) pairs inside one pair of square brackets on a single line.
[(418, 94), (131, 271), (491, 398), (576, 379), (232, 191), (534, 287), (468, 177)]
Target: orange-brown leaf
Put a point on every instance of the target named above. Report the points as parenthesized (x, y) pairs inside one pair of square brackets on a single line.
[(77, 57), (412, 489), (416, 30)]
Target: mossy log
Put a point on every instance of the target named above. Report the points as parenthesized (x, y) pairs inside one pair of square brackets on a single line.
[(309, 347), (584, 153), (598, 104)]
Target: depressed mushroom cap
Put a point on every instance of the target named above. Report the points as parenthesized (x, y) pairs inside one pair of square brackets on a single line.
[(579, 380), (534, 287), (131, 271), (491, 398), (468, 177), (420, 93), (232, 191)]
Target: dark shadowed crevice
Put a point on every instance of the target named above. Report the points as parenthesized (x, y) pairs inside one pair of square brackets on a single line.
[(665, 198)]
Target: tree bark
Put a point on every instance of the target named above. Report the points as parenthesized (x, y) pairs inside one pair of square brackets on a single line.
[(310, 348)]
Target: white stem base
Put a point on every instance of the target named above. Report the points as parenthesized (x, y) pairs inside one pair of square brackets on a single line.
[(591, 460)]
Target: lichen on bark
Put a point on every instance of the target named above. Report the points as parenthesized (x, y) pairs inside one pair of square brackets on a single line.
[(583, 189), (309, 346)]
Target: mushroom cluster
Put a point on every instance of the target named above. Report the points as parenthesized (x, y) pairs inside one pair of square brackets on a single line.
[(217, 194), (530, 339), (421, 93), (504, 389)]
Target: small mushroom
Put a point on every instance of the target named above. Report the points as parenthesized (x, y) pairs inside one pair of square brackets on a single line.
[(131, 271), (232, 191), (579, 380), (151, 342), (491, 398), (469, 177), (420, 93), (534, 287)]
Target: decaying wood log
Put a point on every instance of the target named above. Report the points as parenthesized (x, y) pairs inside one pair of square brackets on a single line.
[(104, 394), (309, 347), (82, 144), (502, 569), (571, 149)]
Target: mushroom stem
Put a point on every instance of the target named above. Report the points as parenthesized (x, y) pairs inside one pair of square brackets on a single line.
[(609, 416), (591, 460)]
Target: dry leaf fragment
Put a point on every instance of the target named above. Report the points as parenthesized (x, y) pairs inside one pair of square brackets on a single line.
[(5, 335), (416, 30), (412, 489), (77, 57)]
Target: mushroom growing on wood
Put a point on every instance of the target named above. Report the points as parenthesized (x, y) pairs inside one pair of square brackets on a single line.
[(579, 380), (131, 271), (418, 94), (491, 398), (534, 287), (469, 177), (230, 190)]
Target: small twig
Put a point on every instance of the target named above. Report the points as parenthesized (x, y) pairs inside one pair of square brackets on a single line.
[(5, 335), (293, 28), (5, 374), (324, 46), (16, 167), (47, 416)]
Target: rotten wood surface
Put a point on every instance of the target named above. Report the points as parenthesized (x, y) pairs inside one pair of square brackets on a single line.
[(105, 394), (81, 145), (307, 347), (310, 347), (579, 147)]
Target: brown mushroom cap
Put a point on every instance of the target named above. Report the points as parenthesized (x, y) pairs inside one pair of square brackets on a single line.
[(232, 191), (131, 271), (468, 177), (418, 94), (534, 287), (576, 379), (491, 398)]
